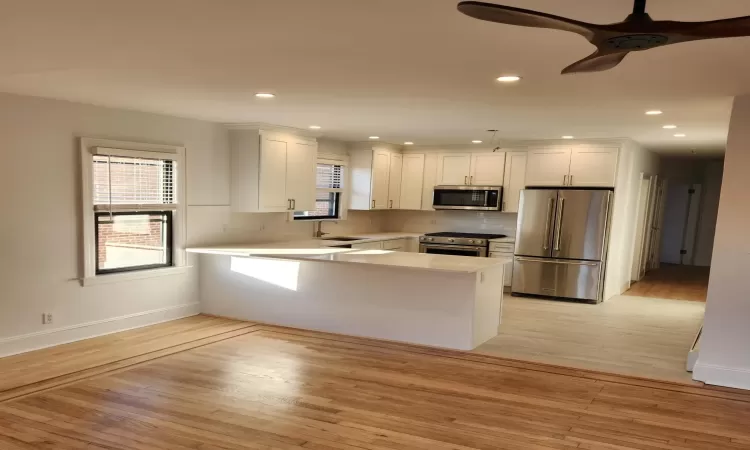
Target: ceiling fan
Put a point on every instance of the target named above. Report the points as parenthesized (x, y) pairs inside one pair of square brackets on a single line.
[(613, 41)]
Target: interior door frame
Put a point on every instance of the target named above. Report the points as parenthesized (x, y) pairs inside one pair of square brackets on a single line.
[(654, 260), (641, 224), (649, 226)]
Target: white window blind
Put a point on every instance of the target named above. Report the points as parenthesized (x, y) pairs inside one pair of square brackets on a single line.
[(127, 183), (329, 177)]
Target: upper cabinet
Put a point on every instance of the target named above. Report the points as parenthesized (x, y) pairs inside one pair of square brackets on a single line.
[(412, 181), (548, 166), (272, 172), (376, 177), (592, 166), (470, 169), (430, 180), (487, 169), (581, 166), (394, 181), (514, 180)]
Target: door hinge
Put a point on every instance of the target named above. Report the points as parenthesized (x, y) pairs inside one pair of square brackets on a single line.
[(683, 252)]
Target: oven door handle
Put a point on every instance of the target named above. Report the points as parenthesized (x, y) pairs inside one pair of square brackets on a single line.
[(473, 248)]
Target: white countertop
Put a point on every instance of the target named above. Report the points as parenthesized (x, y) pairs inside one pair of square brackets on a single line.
[(320, 250)]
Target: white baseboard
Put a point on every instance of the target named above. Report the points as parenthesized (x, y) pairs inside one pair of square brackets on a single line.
[(48, 338), (722, 376)]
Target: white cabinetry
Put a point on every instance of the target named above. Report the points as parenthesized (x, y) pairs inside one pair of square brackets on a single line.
[(548, 166), (514, 180), (394, 180), (453, 168), (485, 169), (504, 250), (412, 181), (593, 166), (394, 245), (430, 180), (375, 177), (272, 172), (583, 165)]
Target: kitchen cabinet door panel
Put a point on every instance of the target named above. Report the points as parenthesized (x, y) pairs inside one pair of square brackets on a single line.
[(301, 165), (394, 180), (593, 166), (454, 169), (412, 179), (487, 169), (514, 181), (273, 176), (381, 163), (547, 166), (430, 180)]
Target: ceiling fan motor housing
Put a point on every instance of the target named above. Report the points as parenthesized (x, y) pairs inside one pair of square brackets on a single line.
[(635, 42)]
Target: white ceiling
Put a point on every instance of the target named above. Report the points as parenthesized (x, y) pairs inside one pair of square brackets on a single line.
[(401, 69)]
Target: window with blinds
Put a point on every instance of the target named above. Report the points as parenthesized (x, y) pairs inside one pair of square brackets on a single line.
[(134, 200), (330, 188)]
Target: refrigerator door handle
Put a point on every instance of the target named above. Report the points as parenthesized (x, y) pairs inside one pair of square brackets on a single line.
[(548, 223), (558, 225), (557, 261)]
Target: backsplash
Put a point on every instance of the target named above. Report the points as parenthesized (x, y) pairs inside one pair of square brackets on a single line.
[(217, 225), (466, 221)]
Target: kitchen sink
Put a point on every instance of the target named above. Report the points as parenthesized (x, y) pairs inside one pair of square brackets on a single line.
[(342, 238)]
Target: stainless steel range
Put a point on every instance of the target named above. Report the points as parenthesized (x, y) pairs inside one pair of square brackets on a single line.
[(453, 243)]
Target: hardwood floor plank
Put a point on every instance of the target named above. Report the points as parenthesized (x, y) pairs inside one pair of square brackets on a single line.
[(276, 388)]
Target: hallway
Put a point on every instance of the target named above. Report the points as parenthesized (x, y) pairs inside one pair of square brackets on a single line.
[(673, 281)]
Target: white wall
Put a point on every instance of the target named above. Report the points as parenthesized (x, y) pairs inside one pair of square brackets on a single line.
[(634, 160), (724, 355), (40, 242)]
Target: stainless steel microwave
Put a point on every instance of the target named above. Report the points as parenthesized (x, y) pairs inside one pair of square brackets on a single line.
[(473, 198)]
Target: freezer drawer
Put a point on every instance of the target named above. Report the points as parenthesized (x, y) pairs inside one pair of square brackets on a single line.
[(557, 278)]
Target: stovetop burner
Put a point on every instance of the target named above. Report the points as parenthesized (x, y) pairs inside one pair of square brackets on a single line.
[(453, 234)]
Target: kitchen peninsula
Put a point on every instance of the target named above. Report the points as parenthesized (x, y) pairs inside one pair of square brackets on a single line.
[(436, 300)]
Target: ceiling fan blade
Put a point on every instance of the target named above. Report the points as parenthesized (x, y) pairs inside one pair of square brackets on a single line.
[(725, 28), (596, 62), (524, 18)]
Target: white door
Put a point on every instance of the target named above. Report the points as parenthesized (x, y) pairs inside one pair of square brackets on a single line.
[(487, 169), (412, 177), (547, 166), (430, 180), (593, 166), (514, 180), (272, 195), (381, 163), (394, 181), (301, 163), (454, 169)]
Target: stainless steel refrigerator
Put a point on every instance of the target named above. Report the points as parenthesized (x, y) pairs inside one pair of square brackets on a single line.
[(561, 243)]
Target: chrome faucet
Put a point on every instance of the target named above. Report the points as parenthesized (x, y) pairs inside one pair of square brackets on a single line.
[(318, 229)]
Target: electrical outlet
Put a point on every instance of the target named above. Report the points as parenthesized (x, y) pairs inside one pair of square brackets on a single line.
[(46, 318)]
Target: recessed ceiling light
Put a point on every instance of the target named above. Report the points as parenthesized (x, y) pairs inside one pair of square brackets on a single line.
[(508, 78), (315, 127), (654, 112), (374, 137), (476, 142), (265, 95), (680, 135), (567, 137), (669, 127), (408, 143)]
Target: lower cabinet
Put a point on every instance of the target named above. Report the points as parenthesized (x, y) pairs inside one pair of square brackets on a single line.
[(504, 250), (369, 246), (394, 245)]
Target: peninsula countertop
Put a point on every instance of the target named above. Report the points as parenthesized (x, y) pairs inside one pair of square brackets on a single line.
[(326, 251)]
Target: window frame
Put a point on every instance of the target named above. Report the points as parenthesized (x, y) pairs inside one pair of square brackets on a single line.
[(339, 160), (90, 147)]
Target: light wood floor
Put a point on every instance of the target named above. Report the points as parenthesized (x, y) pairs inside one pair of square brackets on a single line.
[(634, 336), (50, 367), (286, 389), (674, 282)]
